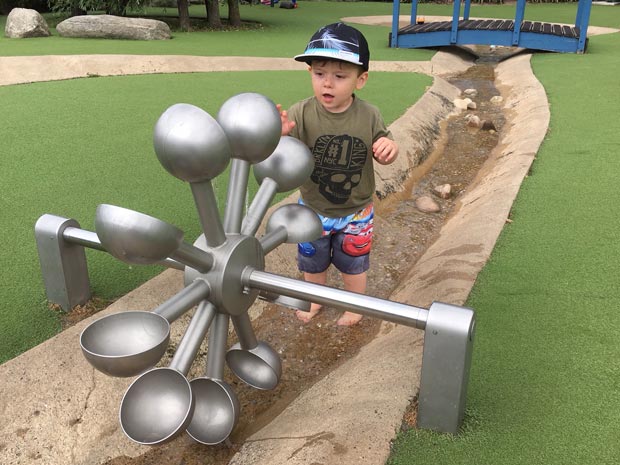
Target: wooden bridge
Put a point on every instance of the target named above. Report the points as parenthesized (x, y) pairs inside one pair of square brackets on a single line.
[(507, 32)]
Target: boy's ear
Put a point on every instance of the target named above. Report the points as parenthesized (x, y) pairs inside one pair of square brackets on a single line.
[(361, 80)]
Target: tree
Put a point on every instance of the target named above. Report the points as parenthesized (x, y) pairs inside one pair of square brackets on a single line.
[(234, 15), (213, 13), (183, 6)]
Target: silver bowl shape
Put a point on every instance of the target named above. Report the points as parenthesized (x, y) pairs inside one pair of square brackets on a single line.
[(190, 144), (125, 344), (157, 407), (259, 367), (216, 411), (290, 165), (253, 126), (134, 237)]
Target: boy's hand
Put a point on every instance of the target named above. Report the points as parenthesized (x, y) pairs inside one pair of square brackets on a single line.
[(287, 125), (385, 150)]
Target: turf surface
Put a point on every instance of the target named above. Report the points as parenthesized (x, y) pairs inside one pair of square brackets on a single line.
[(71, 145), (544, 387), (545, 381)]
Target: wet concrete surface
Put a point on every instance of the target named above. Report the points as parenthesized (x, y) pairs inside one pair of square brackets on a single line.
[(310, 351)]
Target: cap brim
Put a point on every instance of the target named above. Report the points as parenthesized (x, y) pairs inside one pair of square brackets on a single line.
[(330, 55)]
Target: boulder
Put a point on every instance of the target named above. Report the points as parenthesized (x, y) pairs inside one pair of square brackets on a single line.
[(113, 27), (23, 22)]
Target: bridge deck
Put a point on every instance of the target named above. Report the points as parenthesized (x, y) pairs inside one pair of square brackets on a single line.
[(561, 30), (515, 32)]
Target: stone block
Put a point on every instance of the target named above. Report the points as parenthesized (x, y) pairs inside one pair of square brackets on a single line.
[(22, 23), (113, 27)]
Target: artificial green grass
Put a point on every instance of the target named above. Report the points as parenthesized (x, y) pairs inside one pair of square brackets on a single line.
[(545, 381), (544, 385), (71, 145)]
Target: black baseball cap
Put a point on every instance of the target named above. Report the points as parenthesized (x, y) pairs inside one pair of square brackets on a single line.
[(337, 41)]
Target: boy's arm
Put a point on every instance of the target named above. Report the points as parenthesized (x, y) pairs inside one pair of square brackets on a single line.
[(385, 150)]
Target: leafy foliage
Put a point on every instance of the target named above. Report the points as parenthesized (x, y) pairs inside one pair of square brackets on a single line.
[(7, 5), (112, 7)]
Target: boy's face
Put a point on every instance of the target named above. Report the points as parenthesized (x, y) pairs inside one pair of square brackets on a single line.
[(334, 82)]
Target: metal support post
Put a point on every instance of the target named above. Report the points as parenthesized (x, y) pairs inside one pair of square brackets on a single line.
[(63, 264), (446, 360)]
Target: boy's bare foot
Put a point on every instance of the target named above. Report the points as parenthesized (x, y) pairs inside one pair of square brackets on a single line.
[(305, 317), (349, 319)]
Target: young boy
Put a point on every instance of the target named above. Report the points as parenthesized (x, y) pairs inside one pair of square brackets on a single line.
[(344, 134)]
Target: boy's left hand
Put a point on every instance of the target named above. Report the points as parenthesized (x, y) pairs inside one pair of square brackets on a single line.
[(287, 124), (385, 150)]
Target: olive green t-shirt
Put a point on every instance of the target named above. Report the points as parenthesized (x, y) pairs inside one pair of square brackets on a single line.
[(343, 180)]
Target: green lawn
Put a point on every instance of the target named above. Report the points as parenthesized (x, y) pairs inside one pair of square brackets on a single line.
[(545, 384), (545, 381), (71, 145)]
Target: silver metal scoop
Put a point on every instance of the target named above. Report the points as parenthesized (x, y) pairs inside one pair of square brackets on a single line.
[(217, 406), (141, 239), (128, 343), (159, 405), (254, 362), (287, 168)]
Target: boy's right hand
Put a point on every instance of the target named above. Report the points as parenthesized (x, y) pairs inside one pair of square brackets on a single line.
[(287, 125)]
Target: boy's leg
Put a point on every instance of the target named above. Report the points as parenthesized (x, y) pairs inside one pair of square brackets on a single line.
[(353, 283), (316, 278), (313, 259)]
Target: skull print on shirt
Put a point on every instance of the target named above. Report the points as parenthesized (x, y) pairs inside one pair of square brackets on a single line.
[(338, 163)]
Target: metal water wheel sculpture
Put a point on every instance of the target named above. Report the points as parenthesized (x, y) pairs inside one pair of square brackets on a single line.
[(224, 274)]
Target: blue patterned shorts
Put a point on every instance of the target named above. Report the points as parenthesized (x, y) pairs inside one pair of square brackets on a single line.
[(346, 243)]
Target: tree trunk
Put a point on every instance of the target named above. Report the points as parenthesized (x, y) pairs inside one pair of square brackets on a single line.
[(213, 13), (183, 6), (234, 16)]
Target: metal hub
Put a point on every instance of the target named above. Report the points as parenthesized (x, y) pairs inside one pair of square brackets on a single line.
[(228, 293)]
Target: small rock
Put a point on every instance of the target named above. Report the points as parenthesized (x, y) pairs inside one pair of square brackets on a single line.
[(473, 121), (488, 126), (427, 205), (497, 99), (472, 106), (461, 103), (444, 191), (470, 92)]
